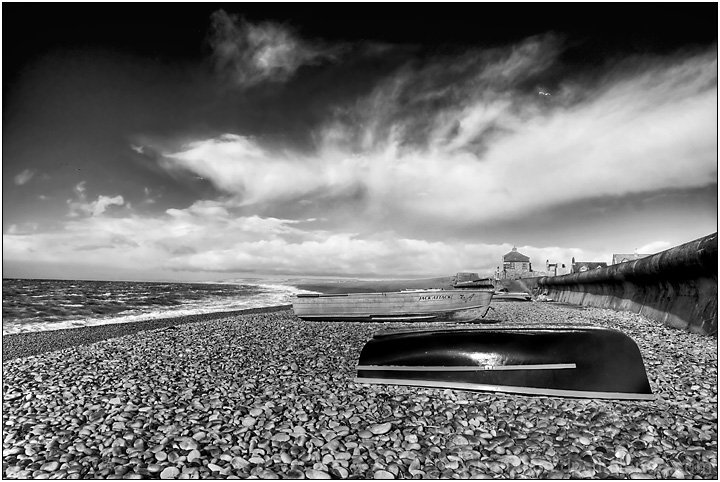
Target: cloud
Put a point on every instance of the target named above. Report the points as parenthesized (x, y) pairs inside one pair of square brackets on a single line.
[(80, 205), (101, 204), (654, 247), (462, 140), (239, 165), (208, 237), (24, 228), (24, 177), (253, 53)]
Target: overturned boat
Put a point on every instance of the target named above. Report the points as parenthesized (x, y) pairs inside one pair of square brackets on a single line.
[(504, 295), (452, 305), (560, 361)]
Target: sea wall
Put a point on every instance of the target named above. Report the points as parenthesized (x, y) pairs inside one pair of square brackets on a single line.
[(677, 287)]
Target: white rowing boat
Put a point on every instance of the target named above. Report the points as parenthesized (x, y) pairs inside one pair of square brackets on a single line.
[(455, 305)]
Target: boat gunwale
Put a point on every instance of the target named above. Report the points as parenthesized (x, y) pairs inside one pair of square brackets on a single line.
[(401, 313), (464, 368), (472, 329), (548, 392), (385, 293)]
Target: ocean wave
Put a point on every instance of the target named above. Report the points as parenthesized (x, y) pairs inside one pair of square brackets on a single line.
[(96, 313)]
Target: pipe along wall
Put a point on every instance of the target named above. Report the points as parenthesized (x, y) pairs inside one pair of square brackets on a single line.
[(677, 287)]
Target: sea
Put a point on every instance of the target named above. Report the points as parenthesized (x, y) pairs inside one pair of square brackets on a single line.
[(30, 305)]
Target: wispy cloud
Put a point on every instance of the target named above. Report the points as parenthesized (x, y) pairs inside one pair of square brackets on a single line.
[(81, 206), (252, 53), (24, 177), (465, 140), (103, 202)]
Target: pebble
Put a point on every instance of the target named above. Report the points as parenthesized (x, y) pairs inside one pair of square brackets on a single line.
[(380, 428), (383, 474), (545, 464), (50, 466), (239, 462), (193, 455), (235, 407), (170, 473), (316, 474), (458, 440), (188, 443), (512, 460)]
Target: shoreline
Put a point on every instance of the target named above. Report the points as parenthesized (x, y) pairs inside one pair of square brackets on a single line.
[(18, 345)]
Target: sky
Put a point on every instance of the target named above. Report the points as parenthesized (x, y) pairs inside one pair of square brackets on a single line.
[(219, 141)]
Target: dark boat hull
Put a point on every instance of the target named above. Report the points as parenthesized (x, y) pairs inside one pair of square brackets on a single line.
[(565, 362)]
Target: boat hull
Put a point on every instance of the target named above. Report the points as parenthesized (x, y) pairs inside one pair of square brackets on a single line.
[(566, 362), (453, 305), (512, 296)]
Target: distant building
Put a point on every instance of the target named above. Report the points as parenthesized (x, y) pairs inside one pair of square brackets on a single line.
[(516, 265), (624, 258), (582, 266), (555, 269)]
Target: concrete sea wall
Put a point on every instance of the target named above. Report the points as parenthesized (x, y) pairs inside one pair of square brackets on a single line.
[(677, 287)]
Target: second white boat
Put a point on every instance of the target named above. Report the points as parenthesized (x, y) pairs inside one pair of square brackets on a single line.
[(455, 305)]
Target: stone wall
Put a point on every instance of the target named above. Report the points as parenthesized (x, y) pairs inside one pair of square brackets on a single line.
[(677, 287)]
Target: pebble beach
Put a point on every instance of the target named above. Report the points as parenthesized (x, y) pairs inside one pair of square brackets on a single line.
[(267, 395)]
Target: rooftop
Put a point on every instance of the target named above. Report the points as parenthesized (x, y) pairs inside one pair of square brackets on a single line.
[(515, 256)]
